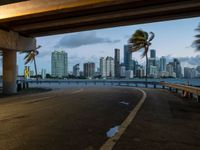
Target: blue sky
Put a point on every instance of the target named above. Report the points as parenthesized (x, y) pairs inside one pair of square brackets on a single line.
[(172, 39)]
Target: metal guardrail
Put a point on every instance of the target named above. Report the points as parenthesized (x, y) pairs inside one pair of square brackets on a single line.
[(187, 90), (86, 82)]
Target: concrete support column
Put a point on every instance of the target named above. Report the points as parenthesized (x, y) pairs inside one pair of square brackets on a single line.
[(9, 72)]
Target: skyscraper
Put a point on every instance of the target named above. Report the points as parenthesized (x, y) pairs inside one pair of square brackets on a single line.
[(110, 69), (189, 72), (102, 67), (43, 73), (76, 70), (122, 71), (89, 69), (153, 56), (151, 69), (127, 56), (177, 68), (162, 64), (170, 69), (117, 63), (152, 53), (59, 64)]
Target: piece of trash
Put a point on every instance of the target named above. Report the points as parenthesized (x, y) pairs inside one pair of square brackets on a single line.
[(112, 131), (123, 102)]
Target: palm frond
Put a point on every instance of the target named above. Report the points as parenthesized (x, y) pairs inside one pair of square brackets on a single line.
[(141, 40), (152, 36), (29, 58), (137, 47), (26, 56)]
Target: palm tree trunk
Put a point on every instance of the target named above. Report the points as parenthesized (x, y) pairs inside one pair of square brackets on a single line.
[(35, 69), (146, 70)]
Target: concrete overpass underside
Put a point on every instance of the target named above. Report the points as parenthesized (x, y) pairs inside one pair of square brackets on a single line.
[(40, 18), (21, 22)]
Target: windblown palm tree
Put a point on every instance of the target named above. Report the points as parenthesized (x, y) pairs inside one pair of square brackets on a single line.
[(30, 57), (196, 43), (141, 40)]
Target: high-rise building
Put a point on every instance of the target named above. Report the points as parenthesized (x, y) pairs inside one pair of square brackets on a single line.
[(170, 70), (134, 65), (153, 71), (151, 61), (43, 73), (129, 74), (189, 72), (122, 71), (177, 68), (59, 64), (140, 72), (127, 56), (110, 69), (76, 70), (152, 53), (102, 67), (162, 64), (117, 63), (89, 69)]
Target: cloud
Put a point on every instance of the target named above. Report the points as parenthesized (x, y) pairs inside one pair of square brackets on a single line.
[(44, 53), (185, 61), (194, 60), (82, 39)]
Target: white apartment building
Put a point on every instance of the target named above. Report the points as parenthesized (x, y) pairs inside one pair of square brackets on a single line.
[(59, 64)]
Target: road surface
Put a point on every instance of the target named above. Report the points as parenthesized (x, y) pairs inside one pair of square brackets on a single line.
[(166, 122), (70, 119)]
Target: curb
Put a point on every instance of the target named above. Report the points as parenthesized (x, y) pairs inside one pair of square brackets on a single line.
[(110, 143)]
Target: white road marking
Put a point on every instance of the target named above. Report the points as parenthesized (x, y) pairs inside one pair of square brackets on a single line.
[(37, 99), (77, 91), (110, 143)]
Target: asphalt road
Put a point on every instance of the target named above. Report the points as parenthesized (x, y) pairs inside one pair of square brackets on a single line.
[(166, 122), (70, 119)]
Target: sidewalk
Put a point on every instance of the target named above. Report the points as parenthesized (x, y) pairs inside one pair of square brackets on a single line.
[(165, 122)]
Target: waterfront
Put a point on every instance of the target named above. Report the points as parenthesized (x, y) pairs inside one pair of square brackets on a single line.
[(192, 82)]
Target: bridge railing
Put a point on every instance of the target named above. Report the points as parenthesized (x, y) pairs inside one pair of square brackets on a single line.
[(94, 82), (188, 91)]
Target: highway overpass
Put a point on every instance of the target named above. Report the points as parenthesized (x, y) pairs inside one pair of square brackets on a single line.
[(21, 22)]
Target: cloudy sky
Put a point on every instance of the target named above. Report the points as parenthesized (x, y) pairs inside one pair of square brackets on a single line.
[(172, 39)]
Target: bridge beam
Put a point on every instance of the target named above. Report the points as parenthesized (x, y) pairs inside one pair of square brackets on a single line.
[(10, 40)]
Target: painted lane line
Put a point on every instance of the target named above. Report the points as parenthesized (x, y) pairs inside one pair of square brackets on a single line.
[(37, 99), (77, 91), (110, 143)]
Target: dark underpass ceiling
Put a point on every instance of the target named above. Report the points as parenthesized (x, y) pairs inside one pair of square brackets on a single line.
[(110, 13), (4, 2)]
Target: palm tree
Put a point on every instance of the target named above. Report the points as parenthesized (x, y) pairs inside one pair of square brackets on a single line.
[(141, 40), (196, 43), (30, 57)]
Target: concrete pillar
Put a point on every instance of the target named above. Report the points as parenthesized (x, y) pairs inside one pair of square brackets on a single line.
[(9, 72)]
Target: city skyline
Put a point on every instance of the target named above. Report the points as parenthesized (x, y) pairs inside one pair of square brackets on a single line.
[(173, 39), (129, 68)]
